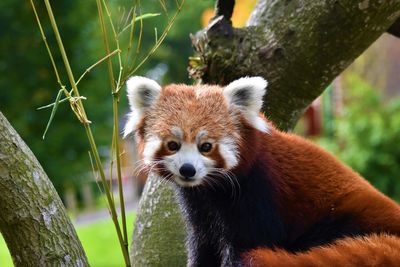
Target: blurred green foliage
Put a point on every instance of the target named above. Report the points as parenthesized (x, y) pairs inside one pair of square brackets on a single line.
[(367, 136), (27, 81), (172, 55)]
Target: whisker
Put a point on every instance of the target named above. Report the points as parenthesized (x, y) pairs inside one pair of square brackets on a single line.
[(229, 177)]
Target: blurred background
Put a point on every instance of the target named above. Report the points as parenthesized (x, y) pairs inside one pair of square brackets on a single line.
[(357, 118)]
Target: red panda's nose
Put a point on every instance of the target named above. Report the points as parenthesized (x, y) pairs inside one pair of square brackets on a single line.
[(187, 170)]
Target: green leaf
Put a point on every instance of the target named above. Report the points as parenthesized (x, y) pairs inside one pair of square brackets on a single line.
[(53, 112), (52, 104), (142, 17)]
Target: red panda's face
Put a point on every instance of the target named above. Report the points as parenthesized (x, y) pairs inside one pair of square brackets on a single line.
[(190, 133)]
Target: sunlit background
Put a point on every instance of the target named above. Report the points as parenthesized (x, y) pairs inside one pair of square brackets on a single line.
[(357, 118)]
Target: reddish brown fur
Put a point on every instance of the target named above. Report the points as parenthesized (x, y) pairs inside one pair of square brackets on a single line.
[(216, 156), (375, 250), (310, 182), (179, 106)]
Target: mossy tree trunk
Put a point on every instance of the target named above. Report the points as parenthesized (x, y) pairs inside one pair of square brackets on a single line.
[(33, 220), (299, 47), (158, 222)]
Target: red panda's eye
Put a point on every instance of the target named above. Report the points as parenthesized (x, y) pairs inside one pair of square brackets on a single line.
[(173, 146), (205, 147)]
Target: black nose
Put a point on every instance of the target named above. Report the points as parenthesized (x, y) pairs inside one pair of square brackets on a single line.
[(187, 170)]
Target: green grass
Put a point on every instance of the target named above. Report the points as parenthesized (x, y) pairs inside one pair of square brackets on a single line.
[(5, 258), (99, 240)]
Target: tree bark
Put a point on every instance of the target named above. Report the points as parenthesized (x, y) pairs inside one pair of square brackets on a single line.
[(298, 46), (158, 203), (33, 220)]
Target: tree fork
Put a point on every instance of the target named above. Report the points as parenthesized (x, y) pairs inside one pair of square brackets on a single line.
[(33, 220), (299, 48)]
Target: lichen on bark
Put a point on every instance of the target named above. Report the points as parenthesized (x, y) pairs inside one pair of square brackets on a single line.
[(158, 203), (33, 220)]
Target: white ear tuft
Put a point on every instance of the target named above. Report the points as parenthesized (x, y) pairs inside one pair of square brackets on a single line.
[(246, 94), (142, 94)]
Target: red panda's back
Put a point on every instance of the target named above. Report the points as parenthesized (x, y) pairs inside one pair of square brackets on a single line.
[(313, 184)]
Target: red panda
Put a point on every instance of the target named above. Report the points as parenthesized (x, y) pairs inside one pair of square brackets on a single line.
[(250, 194)]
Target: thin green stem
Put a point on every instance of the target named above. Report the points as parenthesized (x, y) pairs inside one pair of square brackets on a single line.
[(95, 64), (111, 203), (119, 174), (76, 100), (131, 33), (159, 41), (164, 6), (106, 44), (141, 27), (116, 129), (61, 101), (121, 68), (112, 164), (139, 42), (81, 114), (48, 49)]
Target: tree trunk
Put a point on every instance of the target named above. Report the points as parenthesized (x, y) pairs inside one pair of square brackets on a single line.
[(158, 203), (298, 46), (33, 220)]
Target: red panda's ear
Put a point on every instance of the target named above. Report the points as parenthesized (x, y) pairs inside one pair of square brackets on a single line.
[(142, 94), (246, 94)]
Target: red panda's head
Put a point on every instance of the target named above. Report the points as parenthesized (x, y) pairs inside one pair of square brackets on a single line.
[(191, 132)]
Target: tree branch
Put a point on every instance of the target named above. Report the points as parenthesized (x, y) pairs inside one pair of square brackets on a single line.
[(299, 48), (395, 28), (33, 220), (224, 8)]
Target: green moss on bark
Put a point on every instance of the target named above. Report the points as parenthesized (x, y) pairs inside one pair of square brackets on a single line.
[(298, 47), (33, 220), (159, 233)]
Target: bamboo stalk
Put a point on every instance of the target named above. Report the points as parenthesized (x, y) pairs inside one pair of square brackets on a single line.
[(116, 39), (48, 49), (115, 93), (119, 174), (80, 112), (131, 32), (111, 204), (106, 43), (78, 108)]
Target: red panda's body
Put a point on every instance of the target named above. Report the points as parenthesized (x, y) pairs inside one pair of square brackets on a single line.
[(321, 201), (252, 195)]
